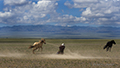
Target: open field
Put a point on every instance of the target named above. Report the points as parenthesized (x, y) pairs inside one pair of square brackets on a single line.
[(79, 53)]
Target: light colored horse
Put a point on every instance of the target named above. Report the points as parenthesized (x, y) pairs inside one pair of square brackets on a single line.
[(37, 45)]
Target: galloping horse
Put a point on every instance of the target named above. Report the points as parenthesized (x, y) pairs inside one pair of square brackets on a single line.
[(37, 45), (109, 45)]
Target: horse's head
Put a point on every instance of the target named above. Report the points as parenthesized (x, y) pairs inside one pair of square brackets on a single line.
[(113, 42), (43, 41)]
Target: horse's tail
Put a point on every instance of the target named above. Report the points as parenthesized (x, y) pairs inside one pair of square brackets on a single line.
[(31, 46), (105, 47)]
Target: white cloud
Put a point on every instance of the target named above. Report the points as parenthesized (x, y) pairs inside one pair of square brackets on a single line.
[(98, 11), (68, 20), (103, 19), (15, 2), (87, 12), (80, 1), (30, 12), (5, 14), (44, 11)]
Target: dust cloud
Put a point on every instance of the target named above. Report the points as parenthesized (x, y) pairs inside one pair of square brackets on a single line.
[(71, 55), (15, 55), (67, 55)]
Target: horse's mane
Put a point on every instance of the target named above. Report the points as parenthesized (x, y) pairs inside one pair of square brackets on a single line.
[(42, 40)]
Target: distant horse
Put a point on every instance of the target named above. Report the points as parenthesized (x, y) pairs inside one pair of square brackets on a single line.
[(109, 44), (37, 45)]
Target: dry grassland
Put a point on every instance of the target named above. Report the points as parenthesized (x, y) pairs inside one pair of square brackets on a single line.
[(79, 53)]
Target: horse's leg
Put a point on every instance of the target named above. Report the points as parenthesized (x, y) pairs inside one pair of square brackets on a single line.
[(38, 49), (41, 49), (107, 48), (110, 49), (34, 50)]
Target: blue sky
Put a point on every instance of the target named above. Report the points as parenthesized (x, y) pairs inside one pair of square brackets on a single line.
[(60, 12)]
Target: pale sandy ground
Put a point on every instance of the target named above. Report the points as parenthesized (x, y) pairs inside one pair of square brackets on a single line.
[(68, 55)]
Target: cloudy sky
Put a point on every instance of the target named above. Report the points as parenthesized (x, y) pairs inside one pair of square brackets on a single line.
[(60, 12)]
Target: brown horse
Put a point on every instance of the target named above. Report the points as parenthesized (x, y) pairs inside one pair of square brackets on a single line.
[(37, 45)]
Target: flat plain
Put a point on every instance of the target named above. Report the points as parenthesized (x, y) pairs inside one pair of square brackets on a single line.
[(79, 53)]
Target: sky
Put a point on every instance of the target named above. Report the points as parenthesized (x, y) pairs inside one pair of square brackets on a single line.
[(60, 12)]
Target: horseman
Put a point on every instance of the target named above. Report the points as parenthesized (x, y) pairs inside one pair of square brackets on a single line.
[(61, 49)]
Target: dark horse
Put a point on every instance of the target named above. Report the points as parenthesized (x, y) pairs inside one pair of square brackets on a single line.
[(109, 44)]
